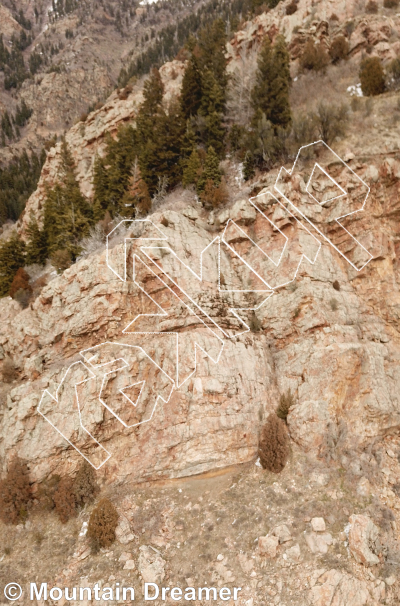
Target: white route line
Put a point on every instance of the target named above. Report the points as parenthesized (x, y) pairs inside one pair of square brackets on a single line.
[(303, 256), (79, 412), (290, 172), (175, 383), (165, 314), (126, 364)]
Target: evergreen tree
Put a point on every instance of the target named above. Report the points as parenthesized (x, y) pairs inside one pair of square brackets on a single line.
[(281, 114), (36, 250), (212, 107), (248, 166), (12, 257), (192, 170), (270, 95), (100, 183), (212, 43), (191, 93), (112, 173), (67, 214), (161, 154), (153, 92), (211, 170)]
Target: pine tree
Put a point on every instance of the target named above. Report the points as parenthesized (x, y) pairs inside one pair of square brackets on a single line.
[(36, 250), (248, 166), (211, 170), (153, 92), (161, 154), (100, 183), (191, 92), (212, 43), (12, 257), (192, 170), (67, 214), (212, 107), (270, 95), (281, 114), (137, 198)]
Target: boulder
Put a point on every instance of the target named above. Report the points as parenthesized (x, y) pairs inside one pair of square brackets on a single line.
[(362, 536), (151, 565), (267, 546)]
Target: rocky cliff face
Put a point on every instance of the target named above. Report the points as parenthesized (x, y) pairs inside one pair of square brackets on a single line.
[(336, 349), (330, 334)]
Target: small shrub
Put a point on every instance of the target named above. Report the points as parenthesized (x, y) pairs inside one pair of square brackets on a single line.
[(7, 550), (330, 121), (102, 524), (46, 491), (334, 17), (304, 130), (339, 49), (83, 117), (9, 371), (20, 282), (23, 297), (314, 57), (213, 195), (336, 285), (390, 3), (15, 493), (291, 8), (85, 487), (372, 77), (285, 402), (274, 444), (334, 304), (371, 7), (296, 313), (64, 500), (255, 324), (61, 260)]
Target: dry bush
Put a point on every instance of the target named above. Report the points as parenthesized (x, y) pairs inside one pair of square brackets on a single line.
[(334, 17), (339, 49), (38, 285), (372, 77), (85, 487), (214, 196), (102, 524), (304, 130), (273, 449), (20, 282), (314, 57), (64, 499), (83, 117), (330, 121), (390, 3), (9, 370), (45, 493), (371, 7), (291, 8), (61, 260), (23, 297), (15, 493), (285, 403), (124, 94)]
